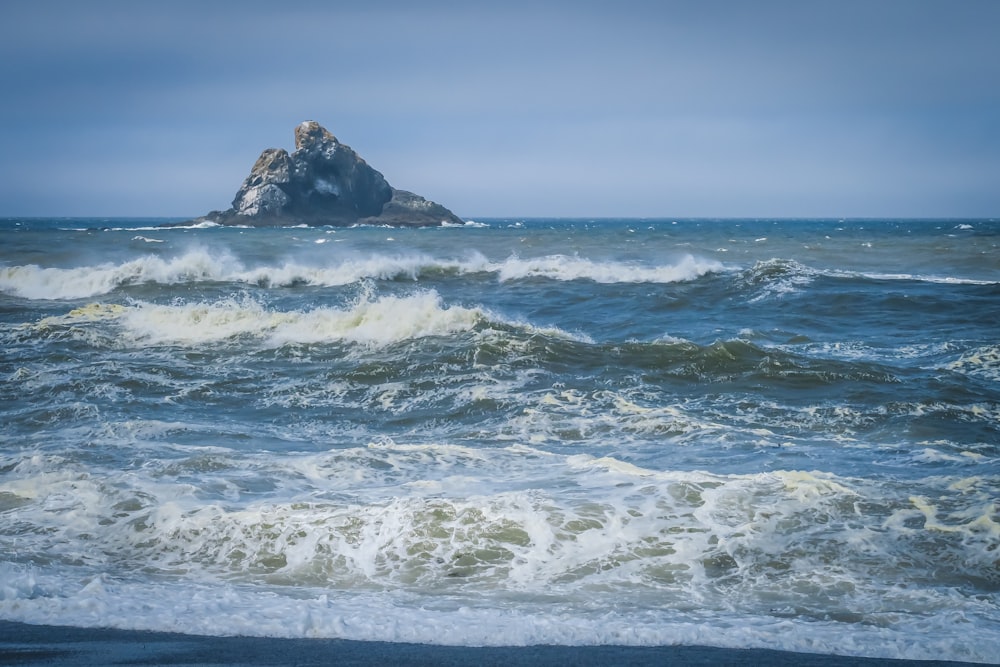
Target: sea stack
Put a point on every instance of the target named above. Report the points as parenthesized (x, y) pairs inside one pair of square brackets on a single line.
[(324, 182)]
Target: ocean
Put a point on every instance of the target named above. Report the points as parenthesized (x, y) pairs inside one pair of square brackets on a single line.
[(779, 434)]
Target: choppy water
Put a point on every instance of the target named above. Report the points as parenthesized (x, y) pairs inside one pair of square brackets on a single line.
[(781, 434)]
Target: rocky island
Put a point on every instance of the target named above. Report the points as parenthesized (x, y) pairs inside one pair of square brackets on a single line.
[(324, 182)]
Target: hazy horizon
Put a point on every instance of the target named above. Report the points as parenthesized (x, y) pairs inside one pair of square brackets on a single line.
[(668, 109)]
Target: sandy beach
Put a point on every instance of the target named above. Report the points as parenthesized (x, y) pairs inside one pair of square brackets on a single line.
[(22, 644)]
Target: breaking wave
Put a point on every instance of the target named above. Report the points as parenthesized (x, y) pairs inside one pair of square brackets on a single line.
[(370, 321), (565, 267), (35, 282), (723, 542)]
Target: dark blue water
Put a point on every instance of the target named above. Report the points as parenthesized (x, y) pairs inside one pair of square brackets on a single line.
[(782, 434)]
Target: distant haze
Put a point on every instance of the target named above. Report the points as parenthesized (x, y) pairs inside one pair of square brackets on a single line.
[(708, 108)]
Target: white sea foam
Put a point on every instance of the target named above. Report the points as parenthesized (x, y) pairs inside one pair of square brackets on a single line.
[(701, 557), (467, 223), (565, 267), (564, 415), (379, 321), (34, 595), (370, 321), (775, 278), (917, 277), (34, 282), (205, 224), (201, 265), (862, 350), (982, 362)]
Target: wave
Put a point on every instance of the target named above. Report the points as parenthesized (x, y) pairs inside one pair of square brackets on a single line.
[(982, 362), (468, 224), (204, 224), (775, 278), (35, 282), (792, 557), (38, 596), (371, 321), (726, 361), (377, 322), (565, 267), (920, 278)]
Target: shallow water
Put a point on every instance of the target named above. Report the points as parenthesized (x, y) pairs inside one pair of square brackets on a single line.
[(778, 434)]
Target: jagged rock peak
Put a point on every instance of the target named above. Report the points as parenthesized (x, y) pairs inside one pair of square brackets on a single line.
[(308, 133), (324, 182)]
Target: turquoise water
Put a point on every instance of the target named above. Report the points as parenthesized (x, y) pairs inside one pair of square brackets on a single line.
[(782, 434)]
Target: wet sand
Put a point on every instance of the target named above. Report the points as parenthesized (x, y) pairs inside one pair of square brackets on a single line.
[(22, 644)]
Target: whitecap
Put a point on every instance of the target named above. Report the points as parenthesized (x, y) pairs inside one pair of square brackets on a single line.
[(565, 267), (370, 321), (200, 265), (379, 321), (34, 282)]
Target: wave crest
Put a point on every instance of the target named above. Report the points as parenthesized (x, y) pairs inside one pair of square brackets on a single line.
[(373, 321), (34, 282), (200, 265), (564, 267), (774, 278)]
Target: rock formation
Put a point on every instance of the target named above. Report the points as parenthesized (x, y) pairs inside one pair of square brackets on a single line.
[(324, 182)]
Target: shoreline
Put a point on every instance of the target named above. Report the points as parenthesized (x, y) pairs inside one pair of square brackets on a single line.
[(27, 644)]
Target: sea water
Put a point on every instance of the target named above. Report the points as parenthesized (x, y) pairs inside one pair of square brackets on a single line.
[(748, 433)]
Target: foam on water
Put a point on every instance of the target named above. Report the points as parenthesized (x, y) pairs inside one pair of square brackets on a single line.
[(96, 601), (200, 265), (34, 282), (370, 320), (563, 267), (351, 530), (944, 280), (775, 278), (381, 321), (548, 432), (372, 517), (982, 362), (570, 415)]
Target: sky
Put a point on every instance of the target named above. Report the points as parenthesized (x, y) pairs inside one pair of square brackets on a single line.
[(624, 108)]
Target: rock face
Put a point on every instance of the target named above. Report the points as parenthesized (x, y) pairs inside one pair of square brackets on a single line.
[(324, 182)]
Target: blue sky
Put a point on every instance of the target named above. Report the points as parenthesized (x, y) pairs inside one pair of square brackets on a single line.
[(662, 109)]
